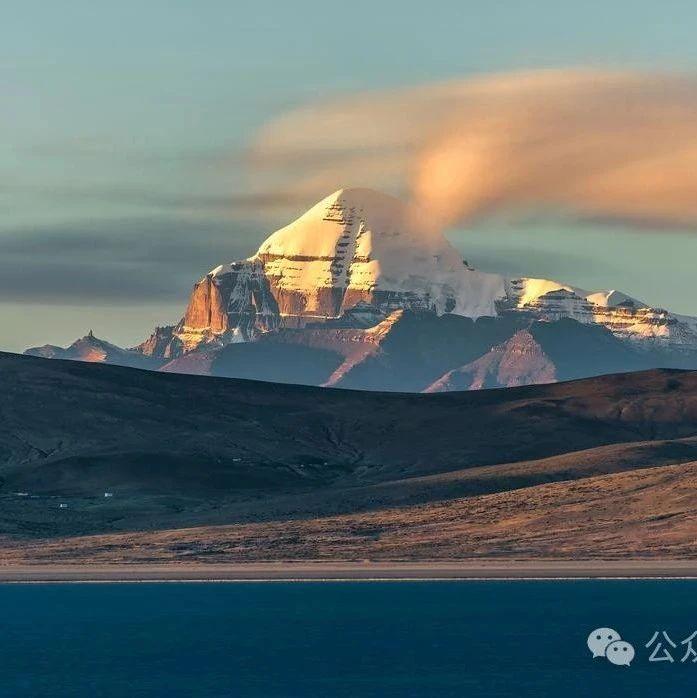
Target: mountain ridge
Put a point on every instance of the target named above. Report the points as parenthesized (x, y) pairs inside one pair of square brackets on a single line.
[(335, 289)]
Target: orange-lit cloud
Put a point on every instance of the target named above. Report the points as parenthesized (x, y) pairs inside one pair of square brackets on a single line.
[(588, 143)]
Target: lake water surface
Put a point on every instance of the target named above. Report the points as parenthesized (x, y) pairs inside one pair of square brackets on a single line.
[(478, 638)]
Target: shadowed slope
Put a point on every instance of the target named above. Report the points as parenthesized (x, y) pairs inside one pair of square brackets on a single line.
[(71, 426), (267, 471)]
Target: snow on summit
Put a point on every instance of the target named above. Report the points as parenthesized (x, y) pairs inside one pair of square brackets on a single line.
[(322, 229), (369, 246), (348, 272), (360, 249)]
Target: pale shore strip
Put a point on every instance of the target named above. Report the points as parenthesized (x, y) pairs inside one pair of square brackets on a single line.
[(354, 571)]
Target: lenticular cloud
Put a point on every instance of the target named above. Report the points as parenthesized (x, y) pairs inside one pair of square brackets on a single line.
[(592, 144)]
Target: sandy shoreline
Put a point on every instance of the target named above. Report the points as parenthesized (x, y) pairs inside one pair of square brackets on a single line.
[(335, 571)]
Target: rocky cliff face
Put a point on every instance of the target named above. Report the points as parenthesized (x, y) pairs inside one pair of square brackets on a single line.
[(355, 249), (233, 303), (362, 250), (358, 293), (358, 256), (161, 344)]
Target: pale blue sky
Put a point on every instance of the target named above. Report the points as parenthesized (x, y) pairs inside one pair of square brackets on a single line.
[(122, 123)]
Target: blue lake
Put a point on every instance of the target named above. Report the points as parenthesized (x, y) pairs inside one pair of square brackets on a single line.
[(479, 638)]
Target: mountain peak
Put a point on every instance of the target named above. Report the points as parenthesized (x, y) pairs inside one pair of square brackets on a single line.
[(354, 246), (357, 196), (93, 350), (325, 228), (519, 360)]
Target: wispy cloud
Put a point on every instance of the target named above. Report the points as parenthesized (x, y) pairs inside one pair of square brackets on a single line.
[(82, 150), (118, 261), (233, 205), (591, 144)]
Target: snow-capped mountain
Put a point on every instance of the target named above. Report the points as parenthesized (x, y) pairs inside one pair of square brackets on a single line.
[(626, 317), (357, 246), (360, 293), (360, 251)]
